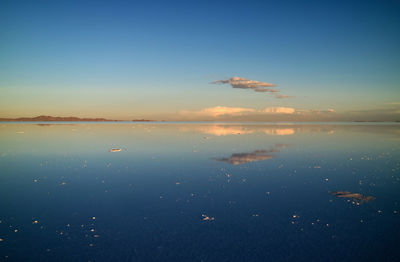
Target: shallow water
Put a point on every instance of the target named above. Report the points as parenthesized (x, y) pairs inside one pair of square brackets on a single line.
[(199, 192)]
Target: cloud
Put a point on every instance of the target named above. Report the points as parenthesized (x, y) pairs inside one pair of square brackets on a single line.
[(257, 86), (273, 113), (244, 83), (279, 110), (219, 111), (257, 155)]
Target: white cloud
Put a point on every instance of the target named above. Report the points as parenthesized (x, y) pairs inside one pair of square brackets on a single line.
[(219, 111), (279, 110), (257, 86)]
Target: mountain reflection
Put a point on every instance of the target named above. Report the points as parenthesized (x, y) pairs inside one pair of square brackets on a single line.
[(257, 155)]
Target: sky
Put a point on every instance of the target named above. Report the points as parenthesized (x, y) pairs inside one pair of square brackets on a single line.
[(201, 60)]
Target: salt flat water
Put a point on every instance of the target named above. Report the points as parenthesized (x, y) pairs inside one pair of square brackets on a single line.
[(199, 192)]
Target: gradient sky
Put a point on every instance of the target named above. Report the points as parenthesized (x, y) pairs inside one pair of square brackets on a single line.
[(338, 60)]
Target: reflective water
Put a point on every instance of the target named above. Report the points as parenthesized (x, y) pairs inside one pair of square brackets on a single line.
[(199, 192)]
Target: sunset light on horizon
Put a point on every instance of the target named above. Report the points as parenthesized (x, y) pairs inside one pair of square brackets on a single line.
[(156, 59)]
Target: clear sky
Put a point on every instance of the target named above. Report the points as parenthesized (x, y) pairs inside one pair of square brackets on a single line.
[(201, 60)]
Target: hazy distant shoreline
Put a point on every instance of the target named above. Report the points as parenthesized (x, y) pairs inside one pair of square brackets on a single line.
[(88, 119), (65, 119), (77, 119)]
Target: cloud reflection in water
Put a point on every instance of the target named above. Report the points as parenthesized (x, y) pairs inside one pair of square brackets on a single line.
[(257, 155), (224, 130), (353, 196)]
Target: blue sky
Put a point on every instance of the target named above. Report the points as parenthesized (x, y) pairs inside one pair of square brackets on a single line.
[(157, 59)]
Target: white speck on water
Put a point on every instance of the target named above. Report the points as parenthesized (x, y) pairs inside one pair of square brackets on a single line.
[(207, 218)]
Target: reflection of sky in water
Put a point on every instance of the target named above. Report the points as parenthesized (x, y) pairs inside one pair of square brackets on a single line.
[(163, 197)]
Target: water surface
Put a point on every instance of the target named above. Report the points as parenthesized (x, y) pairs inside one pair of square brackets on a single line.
[(199, 192)]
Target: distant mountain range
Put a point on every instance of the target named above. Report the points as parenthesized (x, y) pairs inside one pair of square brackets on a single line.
[(62, 119)]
